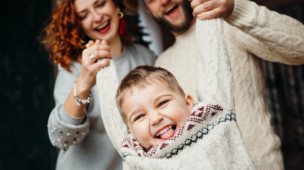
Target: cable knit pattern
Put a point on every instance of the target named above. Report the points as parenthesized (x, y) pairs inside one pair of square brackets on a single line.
[(107, 84), (210, 138), (249, 31)]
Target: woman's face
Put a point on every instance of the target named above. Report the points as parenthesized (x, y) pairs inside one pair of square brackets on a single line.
[(98, 18)]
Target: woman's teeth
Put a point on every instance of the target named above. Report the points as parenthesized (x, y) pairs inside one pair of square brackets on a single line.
[(103, 26), (163, 131)]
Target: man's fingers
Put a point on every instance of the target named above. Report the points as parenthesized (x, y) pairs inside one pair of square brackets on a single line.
[(195, 3), (215, 13), (205, 7)]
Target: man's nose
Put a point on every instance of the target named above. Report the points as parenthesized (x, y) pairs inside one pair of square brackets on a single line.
[(165, 2), (155, 118)]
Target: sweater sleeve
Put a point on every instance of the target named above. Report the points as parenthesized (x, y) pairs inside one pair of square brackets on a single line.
[(107, 84), (65, 130), (214, 77), (266, 34)]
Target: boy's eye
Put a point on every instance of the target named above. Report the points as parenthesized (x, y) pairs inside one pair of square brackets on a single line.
[(138, 117), (162, 103)]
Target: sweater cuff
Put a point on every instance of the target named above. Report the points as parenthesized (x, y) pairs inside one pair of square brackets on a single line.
[(70, 119), (243, 15)]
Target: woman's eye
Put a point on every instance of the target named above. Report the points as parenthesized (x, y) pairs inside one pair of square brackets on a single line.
[(82, 17), (162, 103), (149, 1), (101, 4), (138, 117)]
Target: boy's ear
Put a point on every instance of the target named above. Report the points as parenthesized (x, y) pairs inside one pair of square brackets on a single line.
[(189, 101)]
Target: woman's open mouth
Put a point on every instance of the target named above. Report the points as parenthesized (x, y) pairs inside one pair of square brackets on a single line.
[(166, 132), (104, 27)]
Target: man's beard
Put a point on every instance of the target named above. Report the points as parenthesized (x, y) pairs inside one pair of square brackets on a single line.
[(186, 7)]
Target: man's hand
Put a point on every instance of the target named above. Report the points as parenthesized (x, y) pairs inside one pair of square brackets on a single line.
[(208, 9)]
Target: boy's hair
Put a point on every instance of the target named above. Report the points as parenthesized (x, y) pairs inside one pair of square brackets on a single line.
[(142, 76)]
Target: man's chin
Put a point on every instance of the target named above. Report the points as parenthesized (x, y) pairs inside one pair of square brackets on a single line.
[(177, 26), (179, 23)]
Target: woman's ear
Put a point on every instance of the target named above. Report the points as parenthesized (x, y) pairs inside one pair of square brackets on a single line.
[(117, 9), (189, 101)]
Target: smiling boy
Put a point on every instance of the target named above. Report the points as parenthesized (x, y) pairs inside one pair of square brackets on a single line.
[(153, 105)]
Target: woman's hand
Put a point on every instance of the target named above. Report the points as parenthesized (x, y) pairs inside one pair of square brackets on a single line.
[(208, 9), (90, 66)]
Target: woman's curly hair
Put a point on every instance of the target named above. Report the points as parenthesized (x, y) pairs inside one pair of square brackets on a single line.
[(62, 37)]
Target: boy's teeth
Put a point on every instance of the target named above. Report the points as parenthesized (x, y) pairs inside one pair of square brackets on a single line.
[(103, 25), (163, 131)]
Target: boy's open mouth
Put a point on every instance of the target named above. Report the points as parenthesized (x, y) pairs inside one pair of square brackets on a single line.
[(166, 132)]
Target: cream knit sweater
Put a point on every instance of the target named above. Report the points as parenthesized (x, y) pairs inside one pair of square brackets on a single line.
[(250, 31), (209, 139)]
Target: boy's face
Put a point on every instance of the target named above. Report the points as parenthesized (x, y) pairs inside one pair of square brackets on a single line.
[(154, 113)]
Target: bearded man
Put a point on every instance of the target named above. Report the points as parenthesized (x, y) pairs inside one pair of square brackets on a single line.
[(252, 33)]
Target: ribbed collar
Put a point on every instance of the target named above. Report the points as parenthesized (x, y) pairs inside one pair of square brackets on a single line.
[(186, 34)]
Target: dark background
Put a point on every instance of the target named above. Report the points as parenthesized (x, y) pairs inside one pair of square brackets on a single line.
[(27, 80)]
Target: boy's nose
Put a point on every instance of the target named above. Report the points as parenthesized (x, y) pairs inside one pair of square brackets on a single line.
[(155, 118)]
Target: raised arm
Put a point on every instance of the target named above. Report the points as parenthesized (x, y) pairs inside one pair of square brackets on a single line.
[(214, 77), (256, 29), (267, 34), (107, 84)]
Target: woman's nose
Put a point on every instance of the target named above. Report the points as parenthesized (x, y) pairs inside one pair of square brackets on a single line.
[(155, 118), (97, 17)]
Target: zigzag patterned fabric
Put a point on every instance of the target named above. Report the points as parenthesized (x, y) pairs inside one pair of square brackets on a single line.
[(210, 138)]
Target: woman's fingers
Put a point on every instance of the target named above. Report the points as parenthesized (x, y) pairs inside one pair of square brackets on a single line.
[(89, 44), (99, 54), (94, 68), (104, 42), (96, 47)]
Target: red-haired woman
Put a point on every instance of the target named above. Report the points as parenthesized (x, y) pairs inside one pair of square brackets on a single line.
[(75, 125)]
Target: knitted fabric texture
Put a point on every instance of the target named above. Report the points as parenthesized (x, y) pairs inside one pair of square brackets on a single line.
[(210, 138), (252, 33)]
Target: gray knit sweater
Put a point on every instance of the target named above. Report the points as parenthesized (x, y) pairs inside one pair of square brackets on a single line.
[(83, 141)]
